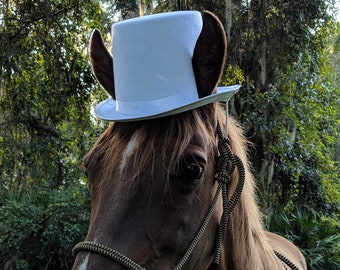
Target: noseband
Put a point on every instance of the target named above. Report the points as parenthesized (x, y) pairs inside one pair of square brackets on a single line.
[(226, 164)]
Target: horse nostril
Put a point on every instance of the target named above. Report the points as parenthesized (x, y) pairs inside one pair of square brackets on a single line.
[(167, 250)]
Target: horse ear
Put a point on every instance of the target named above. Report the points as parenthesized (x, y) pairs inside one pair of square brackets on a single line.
[(102, 63), (209, 54)]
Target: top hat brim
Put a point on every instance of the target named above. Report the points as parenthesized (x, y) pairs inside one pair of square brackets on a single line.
[(107, 109)]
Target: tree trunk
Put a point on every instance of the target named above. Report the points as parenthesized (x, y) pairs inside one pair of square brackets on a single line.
[(228, 17)]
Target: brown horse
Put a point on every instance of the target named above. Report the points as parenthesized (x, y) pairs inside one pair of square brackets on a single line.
[(153, 183)]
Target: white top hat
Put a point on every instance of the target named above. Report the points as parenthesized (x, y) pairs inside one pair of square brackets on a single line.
[(153, 70)]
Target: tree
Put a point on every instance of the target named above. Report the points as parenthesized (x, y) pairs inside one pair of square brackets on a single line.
[(285, 53), (46, 85), (46, 89), (281, 47)]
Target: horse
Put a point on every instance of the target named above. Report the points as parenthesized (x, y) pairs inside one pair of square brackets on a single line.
[(176, 192)]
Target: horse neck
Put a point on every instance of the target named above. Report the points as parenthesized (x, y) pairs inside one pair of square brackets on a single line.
[(246, 237)]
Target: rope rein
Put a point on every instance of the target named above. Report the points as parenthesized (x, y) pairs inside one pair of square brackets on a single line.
[(106, 252), (226, 164), (285, 260)]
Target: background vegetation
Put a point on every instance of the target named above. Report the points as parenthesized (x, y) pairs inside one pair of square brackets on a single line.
[(285, 53)]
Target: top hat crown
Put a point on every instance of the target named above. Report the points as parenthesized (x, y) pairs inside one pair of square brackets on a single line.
[(156, 68)]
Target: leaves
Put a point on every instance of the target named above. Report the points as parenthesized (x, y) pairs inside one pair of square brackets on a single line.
[(290, 100), (36, 228), (47, 85), (284, 53), (46, 128), (317, 237)]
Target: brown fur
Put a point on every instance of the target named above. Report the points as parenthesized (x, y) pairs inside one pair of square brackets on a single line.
[(250, 247), (209, 54), (158, 133), (102, 63), (127, 201)]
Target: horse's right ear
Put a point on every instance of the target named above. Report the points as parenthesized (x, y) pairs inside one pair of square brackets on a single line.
[(209, 54), (102, 63)]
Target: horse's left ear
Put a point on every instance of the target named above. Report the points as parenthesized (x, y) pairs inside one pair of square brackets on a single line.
[(209, 54), (102, 63)]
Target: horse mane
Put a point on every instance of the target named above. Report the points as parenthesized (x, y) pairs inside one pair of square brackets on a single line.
[(163, 139), (246, 237), (246, 234)]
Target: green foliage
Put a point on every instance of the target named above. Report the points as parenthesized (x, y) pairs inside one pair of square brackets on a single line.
[(126, 8), (46, 89), (39, 230), (232, 75), (289, 104), (318, 238), (285, 53)]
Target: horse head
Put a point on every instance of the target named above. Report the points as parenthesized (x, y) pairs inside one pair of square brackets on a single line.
[(156, 203)]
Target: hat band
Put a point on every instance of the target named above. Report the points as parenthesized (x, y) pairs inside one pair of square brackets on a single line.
[(157, 106)]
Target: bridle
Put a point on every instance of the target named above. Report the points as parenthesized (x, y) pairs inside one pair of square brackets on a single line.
[(226, 164)]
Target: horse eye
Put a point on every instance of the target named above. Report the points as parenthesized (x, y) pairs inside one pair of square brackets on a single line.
[(188, 174), (193, 172)]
